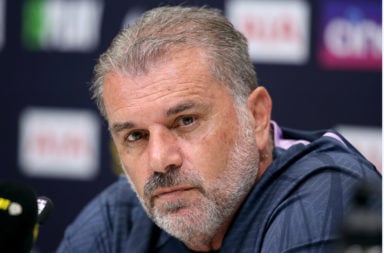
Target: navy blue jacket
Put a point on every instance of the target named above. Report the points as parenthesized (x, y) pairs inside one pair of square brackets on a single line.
[(298, 204)]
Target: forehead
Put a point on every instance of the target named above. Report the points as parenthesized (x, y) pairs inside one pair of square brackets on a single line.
[(185, 74)]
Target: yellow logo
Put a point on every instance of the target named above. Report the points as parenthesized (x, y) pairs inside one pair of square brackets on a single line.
[(4, 204)]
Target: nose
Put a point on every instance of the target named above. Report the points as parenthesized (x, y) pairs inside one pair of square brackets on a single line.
[(163, 150)]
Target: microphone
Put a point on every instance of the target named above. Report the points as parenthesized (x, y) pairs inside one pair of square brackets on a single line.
[(21, 212), (44, 208), (361, 229)]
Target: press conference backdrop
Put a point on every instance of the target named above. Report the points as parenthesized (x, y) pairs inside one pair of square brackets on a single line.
[(320, 60)]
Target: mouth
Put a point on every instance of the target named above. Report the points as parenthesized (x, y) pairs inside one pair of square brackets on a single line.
[(171, 193)]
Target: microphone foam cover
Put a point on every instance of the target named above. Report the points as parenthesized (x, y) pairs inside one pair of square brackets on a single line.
[(18, 217)]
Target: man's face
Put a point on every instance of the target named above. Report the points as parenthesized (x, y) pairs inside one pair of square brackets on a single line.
[(187, 155)]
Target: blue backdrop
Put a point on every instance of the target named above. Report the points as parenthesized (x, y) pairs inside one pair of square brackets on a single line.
[(43, 73)]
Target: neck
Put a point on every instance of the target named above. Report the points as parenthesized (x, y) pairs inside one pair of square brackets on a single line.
[(202, 245)]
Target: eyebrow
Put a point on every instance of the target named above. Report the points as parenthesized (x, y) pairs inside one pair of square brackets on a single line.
[(118, 127), (180, 108)]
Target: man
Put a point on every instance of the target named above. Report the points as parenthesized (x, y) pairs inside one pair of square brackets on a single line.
[(204, 160)]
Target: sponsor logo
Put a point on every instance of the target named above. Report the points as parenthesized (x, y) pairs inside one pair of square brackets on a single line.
[(350, 35), (59, 143), (13, 208), (61, 25), (277, 31), (2, 23)]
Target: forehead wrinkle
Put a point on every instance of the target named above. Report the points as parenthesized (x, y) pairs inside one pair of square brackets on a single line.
[(178, 90)]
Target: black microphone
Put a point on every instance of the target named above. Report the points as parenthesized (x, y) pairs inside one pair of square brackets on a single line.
[(21, 213), (361, 229), (44, 208)]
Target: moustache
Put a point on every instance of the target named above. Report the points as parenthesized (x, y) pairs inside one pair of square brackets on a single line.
[(172, 177), (160, 180)]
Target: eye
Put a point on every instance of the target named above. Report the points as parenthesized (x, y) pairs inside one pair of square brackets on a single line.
[(135, 136), (185, 121)]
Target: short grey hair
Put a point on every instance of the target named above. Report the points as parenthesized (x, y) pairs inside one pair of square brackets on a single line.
[(162, 30)]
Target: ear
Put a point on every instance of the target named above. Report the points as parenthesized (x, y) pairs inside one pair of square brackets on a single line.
[(260, 105)]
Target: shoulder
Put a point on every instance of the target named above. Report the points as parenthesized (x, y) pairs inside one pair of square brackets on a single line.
[(101, 218), (323, 150), (324, 172), (313, 185)]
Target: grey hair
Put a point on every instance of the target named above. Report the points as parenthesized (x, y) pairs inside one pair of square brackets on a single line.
[(160, 31)]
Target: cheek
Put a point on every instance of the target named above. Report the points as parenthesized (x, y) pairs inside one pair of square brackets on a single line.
[(212, 152), (137, 176)]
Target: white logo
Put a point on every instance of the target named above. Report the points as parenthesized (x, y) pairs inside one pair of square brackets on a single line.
[(15, 209), (59, 143), (346, 39), (277, 31), (64, 25)]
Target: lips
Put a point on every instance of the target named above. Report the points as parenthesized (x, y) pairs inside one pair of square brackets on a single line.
[(171, 191)]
